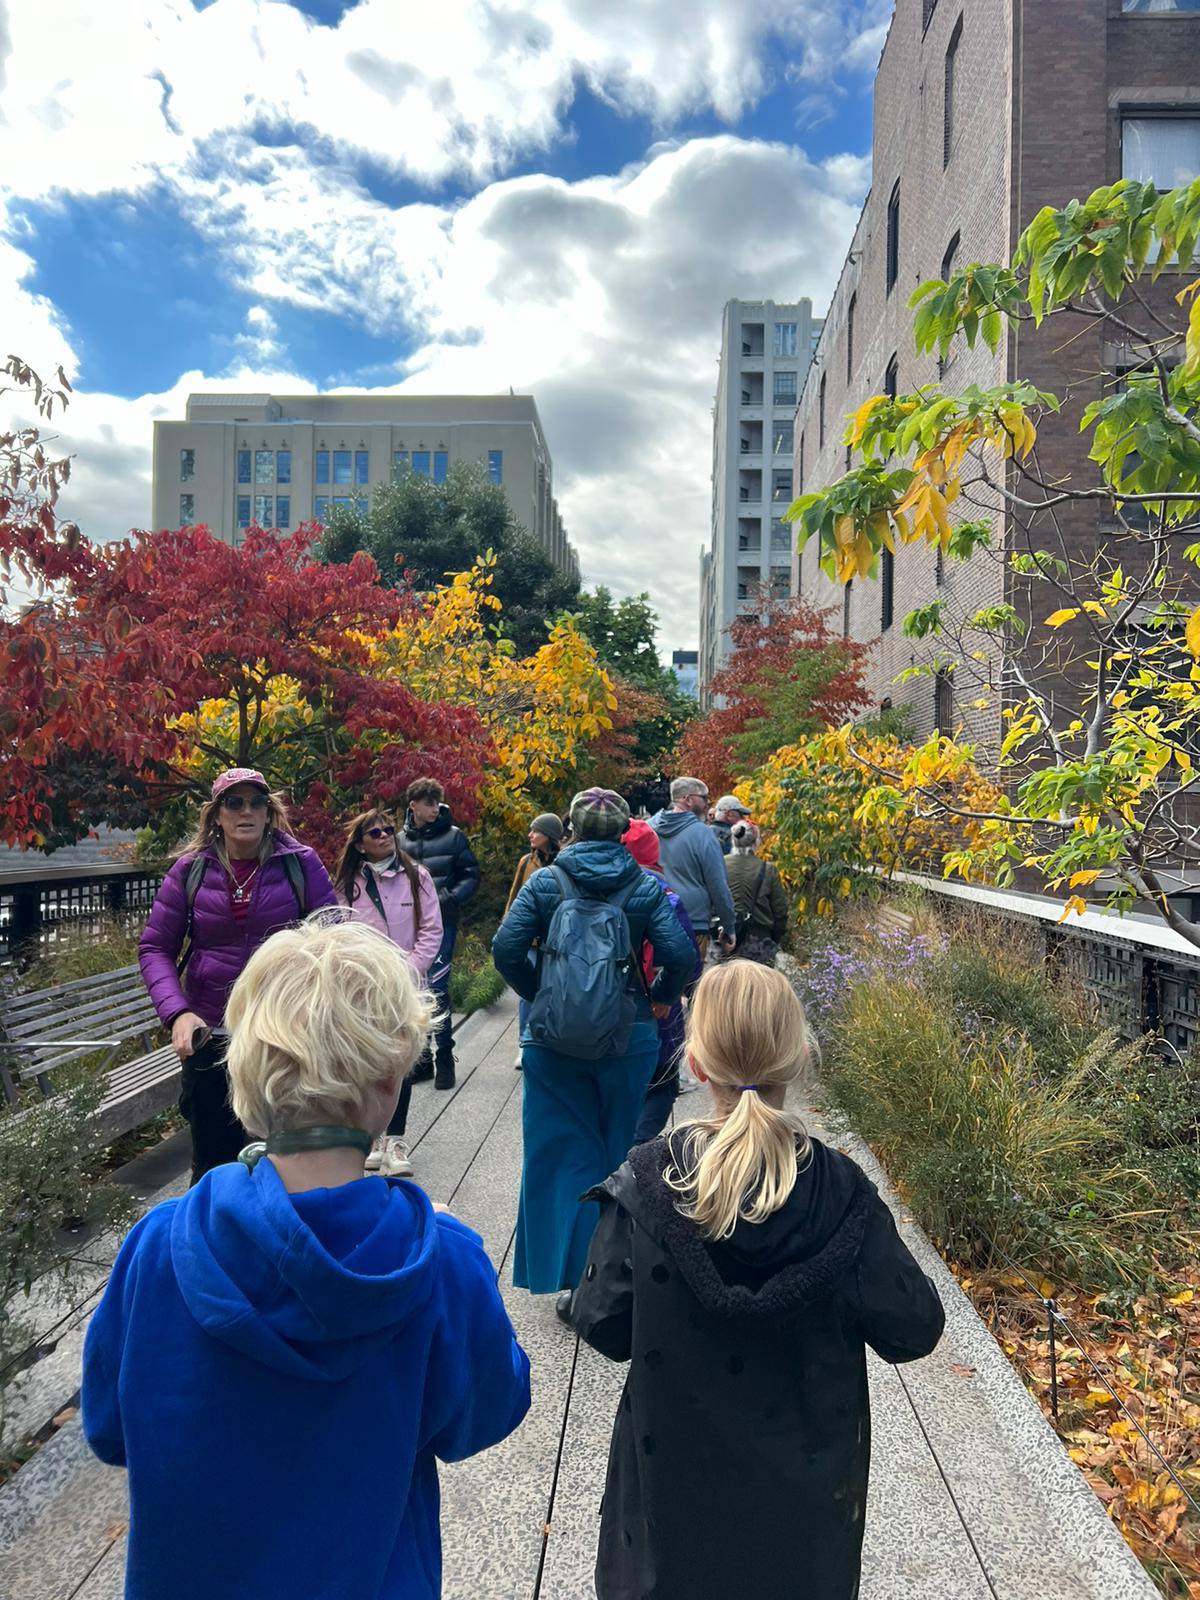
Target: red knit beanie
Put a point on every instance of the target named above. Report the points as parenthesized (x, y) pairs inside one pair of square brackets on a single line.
[(642, 843)]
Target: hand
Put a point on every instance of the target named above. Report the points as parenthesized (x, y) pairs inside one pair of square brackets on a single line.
[(182, 1030), (438, 1206), (659, 1010), (728, 944)]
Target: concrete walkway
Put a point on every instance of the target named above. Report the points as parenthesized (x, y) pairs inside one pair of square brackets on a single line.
[(972, 1497)]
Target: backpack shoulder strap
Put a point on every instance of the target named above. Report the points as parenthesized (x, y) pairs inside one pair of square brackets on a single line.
[(373, 893), (566, 884), (197, 867), (762, 873), (294, 872)]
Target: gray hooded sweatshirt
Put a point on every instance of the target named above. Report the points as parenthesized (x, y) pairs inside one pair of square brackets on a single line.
[(694, 867)]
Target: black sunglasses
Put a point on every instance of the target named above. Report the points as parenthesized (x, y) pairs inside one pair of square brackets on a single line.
[(236, 802), (380, 833)]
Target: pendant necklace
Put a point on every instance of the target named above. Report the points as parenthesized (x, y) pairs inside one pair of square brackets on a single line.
[(242, 890)]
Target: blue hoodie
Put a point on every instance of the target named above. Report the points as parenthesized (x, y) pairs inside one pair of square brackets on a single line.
[(280, 1372), (693, 864)]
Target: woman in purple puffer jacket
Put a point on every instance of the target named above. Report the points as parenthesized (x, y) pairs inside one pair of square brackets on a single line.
[(384, 887), (206, 922)]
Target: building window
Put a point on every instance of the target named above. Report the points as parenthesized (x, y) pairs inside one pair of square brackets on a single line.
[(243, 511), (948, 92), (283, 510), (187, 465), (321, 507), (928, 7), (781, 534), (362, 466), (850, 310), (821, 413), (264, 510), (283, 467), (785, 388), (887, 590), (342, 466), (943, 701), (441, 462), (187, 510), (495, 470), (264, 466), (1164, 151), (399, 461), (893, 237), (322, 466), (846, 610), (785, 338), (420, 463), (244, 470), (1161, 6), (947, 269), (784, 438), (891, 377), (781, 485), (939, 567)]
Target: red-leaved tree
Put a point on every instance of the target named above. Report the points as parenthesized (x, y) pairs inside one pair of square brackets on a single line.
[(788, 675)]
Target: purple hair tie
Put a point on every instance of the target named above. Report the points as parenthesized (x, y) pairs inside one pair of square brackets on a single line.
[(746, 1088)]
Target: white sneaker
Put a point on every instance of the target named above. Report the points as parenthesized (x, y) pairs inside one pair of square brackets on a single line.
[(375, 1155), (395, 1163)]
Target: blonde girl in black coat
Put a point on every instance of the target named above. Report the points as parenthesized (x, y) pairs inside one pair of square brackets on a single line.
[(741, 1268)]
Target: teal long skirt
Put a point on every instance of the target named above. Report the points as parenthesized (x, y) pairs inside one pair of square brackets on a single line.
[(578, 1122)]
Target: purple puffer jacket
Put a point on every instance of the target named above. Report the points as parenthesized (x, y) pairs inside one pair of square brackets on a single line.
[(221, 946)]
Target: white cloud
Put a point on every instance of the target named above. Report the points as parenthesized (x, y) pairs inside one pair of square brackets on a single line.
[(106, 97)]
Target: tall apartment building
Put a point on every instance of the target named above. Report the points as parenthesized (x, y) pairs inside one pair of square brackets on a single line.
[(985, 111), (280, 460), (765, 352)]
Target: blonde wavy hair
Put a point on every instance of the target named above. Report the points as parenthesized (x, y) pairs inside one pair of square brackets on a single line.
[(208, 834), (322, 1015), (745, 1027)]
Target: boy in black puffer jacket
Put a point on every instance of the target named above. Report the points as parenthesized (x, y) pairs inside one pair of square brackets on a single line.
[(431, 838)]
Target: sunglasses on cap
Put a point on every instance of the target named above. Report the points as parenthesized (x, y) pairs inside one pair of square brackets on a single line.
[(380, 833), (238, 802)]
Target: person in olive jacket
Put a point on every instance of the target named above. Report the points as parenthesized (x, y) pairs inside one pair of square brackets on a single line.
[(431, 838), (741, 1268), (759, 898)]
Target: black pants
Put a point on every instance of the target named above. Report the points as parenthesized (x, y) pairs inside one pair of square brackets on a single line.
[(217, 1135), (399, 1120)]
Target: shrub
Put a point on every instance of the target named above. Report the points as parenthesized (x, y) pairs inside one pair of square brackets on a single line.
[(995, 1157), (44, 1184)]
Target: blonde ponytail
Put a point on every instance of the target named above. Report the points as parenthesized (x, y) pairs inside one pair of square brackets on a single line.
[(746, 1030)]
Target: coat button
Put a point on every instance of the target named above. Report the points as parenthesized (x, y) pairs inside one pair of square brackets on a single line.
[(591, 1271)]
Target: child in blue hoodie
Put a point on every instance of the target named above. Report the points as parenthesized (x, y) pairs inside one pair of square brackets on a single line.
[(282, 1355)]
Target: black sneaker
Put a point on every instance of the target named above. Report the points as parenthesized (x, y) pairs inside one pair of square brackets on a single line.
[(562, 1307), (422, 1072), (443, 1078)]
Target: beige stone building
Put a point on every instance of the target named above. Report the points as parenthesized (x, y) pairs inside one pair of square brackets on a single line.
[(280, 460)]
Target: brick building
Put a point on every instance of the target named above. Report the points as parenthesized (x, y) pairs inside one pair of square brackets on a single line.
[(985, 111)]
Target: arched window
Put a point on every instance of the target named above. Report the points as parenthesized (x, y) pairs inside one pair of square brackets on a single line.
[(851, 309), (893, 237), (948, 93)]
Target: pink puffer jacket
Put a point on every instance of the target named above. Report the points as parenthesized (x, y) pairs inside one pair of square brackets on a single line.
[(397, 921)]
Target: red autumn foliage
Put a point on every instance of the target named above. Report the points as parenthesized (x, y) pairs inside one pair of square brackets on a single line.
[(141, 631), (788, 675)]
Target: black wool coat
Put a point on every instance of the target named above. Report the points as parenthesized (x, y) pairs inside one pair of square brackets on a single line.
[(741, 1449)]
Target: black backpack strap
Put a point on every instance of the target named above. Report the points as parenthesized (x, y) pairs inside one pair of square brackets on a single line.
[(372, 887), (197, 867), (294, 871), (762, 872)]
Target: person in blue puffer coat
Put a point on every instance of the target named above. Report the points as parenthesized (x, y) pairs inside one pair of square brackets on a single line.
[(579, 1116), (246, 877)]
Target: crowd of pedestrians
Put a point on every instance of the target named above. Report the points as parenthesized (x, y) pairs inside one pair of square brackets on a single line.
[(305, 1297)]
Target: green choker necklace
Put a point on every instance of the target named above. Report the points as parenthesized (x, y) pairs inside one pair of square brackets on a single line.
[(301, 1140)]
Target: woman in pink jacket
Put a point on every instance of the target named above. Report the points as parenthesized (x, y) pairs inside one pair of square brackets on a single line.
[(382, 885)]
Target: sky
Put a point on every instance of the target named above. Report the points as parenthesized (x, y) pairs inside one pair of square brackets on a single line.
[(553, 195)]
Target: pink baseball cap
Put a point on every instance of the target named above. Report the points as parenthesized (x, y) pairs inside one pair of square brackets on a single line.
[(236, 775)]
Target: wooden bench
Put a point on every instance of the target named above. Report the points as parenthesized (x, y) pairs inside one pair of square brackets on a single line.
[(891, 920), (43, 1030)]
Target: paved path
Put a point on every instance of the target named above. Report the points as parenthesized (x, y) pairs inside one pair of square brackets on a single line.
[(971, 1496)]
